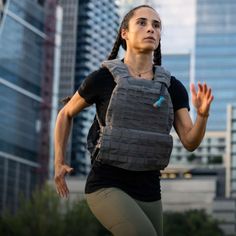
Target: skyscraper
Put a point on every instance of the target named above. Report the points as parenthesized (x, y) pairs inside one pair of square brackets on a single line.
[(97, 24), (26, 71), (67, 61), (231, 152), (216, 55)]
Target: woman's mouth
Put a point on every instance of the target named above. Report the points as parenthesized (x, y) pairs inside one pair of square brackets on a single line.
[(150, 38)]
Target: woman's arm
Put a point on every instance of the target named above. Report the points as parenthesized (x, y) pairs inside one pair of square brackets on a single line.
[(191, 134), (61, 134)]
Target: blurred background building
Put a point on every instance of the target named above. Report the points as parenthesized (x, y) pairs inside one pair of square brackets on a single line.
[(224, 208), (89, 32), (27, 35), (67, 63), (216, 55), (231, 151)]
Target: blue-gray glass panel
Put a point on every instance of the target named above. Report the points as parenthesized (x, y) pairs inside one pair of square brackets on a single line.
[(18, 117), (29, 11), (21, 56)]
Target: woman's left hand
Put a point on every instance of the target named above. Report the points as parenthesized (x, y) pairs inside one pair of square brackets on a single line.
[(202, 98)]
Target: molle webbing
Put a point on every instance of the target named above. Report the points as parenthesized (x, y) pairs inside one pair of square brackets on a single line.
[(136, 135)]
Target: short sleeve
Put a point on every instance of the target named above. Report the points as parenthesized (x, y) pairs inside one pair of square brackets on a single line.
[(88, 88), (179, 95)]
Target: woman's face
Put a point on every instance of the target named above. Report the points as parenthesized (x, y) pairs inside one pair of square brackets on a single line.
[(144, 30)]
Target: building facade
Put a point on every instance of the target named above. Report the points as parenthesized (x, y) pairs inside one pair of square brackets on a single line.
[(67, 64), (26, 73), (211, 152), (224, 208), (97, 25), (231, 152), (216, 55)]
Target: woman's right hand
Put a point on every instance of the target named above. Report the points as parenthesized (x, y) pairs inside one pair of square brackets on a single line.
[(61, 134), (59, 178)]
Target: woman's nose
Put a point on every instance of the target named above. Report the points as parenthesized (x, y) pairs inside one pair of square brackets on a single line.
[(150, 29)]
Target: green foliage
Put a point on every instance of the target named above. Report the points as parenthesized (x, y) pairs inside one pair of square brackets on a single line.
[(192, 222), (191, 157), (80, 221), (45, 214), (215, 160), (39, 216)]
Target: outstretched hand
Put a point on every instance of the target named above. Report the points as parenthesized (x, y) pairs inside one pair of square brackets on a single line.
[(202, 98), (59, 178)]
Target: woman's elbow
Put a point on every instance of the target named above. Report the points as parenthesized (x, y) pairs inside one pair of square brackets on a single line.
[(65, 114), (190, 146), (191, 149)]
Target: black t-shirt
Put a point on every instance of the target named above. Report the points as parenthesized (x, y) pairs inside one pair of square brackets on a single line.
[(141, 185)]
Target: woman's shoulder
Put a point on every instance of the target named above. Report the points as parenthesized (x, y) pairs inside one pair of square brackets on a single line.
[(101, 73), (99, 78), (179, 94), (176, 86), (96, 84), (175, 82)]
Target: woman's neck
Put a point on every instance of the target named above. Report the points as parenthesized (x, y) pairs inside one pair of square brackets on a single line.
[(139, 64)]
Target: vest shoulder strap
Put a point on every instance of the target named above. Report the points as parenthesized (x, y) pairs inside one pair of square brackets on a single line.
[(162, 75), (119, 70)]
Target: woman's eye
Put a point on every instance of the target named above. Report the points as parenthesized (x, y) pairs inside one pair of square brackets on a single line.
[(142, 23), (157, 25)]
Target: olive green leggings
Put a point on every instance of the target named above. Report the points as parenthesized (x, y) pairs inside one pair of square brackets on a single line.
[(122, 215)]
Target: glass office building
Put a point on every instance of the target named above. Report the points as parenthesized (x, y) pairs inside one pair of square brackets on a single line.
[(96, 31), (216, 55), (25, 80), (67, 60), (179, 66), (68, 48)]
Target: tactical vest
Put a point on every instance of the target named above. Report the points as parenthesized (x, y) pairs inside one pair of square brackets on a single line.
[(138, 121)]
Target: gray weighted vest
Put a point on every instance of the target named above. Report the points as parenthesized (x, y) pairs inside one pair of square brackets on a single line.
[(137, 134)]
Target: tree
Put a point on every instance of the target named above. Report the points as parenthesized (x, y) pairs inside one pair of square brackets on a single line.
[(80, 221), (191, 157), (41, 215), (192, 222), (215, 160), (44, 214)]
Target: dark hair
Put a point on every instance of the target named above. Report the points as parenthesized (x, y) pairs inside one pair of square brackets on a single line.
[(65, 100), (120, 41)]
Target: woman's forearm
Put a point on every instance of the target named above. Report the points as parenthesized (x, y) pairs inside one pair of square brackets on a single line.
[(61, 135), (201, 100), (195, 135)]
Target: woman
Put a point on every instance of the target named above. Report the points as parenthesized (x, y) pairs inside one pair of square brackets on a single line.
[(123, 186)]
